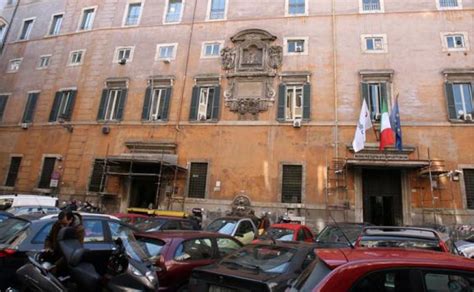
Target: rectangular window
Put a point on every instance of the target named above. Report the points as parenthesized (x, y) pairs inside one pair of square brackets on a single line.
[(173, 13), (87, 19), (133, 13), (112, 104), (371, 5), (26, 29), (296, 7), (76, 58), (13, 171), (295, 46), (62, 106), (3, 105), (292, 184), (211, 49), (30, 107), (97, 181), (374, 93), (14, 65), (460, 101), (217, 9), (56, 24), (455, 41), (166, 52), (47, 171), (123, 55), (197, 180), (294, 102), (449, 4), (44, 61), (468, 175), (374, 43), (204, 108)]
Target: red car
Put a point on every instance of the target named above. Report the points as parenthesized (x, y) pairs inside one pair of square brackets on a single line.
[(373, 269), (131, 218), (177, 253), (287, 232)]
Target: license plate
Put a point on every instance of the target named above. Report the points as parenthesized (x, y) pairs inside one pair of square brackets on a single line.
[(214, 288)]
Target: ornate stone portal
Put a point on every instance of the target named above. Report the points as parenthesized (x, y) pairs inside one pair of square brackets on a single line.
[(251, 66)]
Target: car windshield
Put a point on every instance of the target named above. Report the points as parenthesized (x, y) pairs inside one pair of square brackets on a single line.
[(151, 224), (282, 234), (265, 258), (333, 234), (131, 245), (223, 226), (9, 229)]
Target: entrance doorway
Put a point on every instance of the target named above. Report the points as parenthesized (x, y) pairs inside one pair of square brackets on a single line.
[(143, 192), (381, 189)]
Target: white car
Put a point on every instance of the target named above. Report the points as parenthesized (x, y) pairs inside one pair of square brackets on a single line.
[(466, 246)]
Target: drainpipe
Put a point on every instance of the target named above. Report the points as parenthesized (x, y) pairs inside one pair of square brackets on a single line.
[(334, 56), (9, 27)]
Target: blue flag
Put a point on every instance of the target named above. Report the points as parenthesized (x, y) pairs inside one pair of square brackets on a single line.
[(396, 127)]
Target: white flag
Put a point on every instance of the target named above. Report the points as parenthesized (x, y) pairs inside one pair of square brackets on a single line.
[(363, 125)]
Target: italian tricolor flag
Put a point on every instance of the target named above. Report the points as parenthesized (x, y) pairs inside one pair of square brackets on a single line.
[(386, 132)]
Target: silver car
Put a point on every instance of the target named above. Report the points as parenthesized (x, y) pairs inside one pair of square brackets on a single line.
[(466, 246)]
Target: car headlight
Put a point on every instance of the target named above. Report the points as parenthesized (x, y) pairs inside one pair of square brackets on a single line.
[(135, 271), (150, 276)]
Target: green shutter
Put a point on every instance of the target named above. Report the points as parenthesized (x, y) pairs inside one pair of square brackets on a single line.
[(194, 104), (450, 100), (70, 105), (281, 102), (53, 116), (307, 101), (216, 103), (30, 107), (121, 104), (210, 103), (384, 95), (3, 104), (364, 89), (166, 104), (103, 101), (146, 104)]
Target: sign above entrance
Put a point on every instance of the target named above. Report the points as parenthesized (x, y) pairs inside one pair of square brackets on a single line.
[(381, 156)]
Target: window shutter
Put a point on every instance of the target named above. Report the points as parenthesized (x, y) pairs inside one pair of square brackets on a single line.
[(194, 104), (216, 103), (364, 89), (13, 171), (307, 101), (30, 107), (48, 168), (70, 105), (469, 186), (450, 99), (53, 116), (384, 94), (166, 104), (103, 100), (146, 104), (97, 181), (3, 104), (121, 104), (281, 102)]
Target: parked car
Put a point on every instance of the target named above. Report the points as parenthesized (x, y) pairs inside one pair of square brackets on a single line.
[(5, 215), (177, 253), (23, 210), (14, 200), (403, 237), (242, 228), (371, 270), (153, 224), (255, 267), (131, 218), (334, 235), (287, 232), (21, 234), (466, 246)]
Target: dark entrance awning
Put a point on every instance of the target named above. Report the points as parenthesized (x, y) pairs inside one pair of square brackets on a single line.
[(415, 164), (141, 164)]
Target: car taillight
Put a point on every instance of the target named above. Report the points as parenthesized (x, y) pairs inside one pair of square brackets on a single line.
[(6, 252)]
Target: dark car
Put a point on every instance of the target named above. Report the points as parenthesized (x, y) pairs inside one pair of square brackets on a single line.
[(255, 267), (21, 234), (159, 223), (337, 235), (177, 253)]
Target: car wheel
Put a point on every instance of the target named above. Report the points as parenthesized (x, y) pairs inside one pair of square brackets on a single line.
[(183, 288)]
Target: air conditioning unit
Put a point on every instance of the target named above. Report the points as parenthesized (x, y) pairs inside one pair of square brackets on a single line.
[(201, 117), (122, 61), (105, 130), (167, 60), (297, 123), (467, 117), (298, 49), (25, 126), (378, 116)]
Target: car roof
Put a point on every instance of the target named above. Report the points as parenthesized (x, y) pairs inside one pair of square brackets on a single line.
[(34, 206), (236, 218), (288, 244), (184, 234), (84, 215), (131, 215), (339, 256), (356, 224), (292, 226)]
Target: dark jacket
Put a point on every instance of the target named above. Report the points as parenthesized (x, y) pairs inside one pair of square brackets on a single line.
[(51, 241)]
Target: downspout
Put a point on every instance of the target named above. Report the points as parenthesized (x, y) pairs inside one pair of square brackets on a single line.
[(185, 73), (334, 70), (5, 37)]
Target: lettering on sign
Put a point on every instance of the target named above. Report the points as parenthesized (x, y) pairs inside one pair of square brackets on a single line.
[(381, 156)]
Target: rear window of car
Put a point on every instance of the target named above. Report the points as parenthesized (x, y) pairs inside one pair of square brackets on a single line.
[(333, 234), (186, 225), (152, 224), (40, 237), (282, 234), (152, 247), (10, 228), (311, 276), (402, 242)]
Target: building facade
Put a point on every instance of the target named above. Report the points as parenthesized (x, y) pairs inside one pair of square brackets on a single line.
[(179, 104)]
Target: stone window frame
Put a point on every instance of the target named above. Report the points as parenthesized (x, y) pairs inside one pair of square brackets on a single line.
[(51, 23), (439, 7), (378, 76), (28, 35), (303, 183), (125, 13), (38, 66), (305, 48), (362, 11), (82, 16), (444, 41), (287, 9), (462, 183), (208, 11), (203, 49), (175, 51), (10, 63), (452, 76), (363, 43), (116, 60), (69, 61), (165, 13)]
